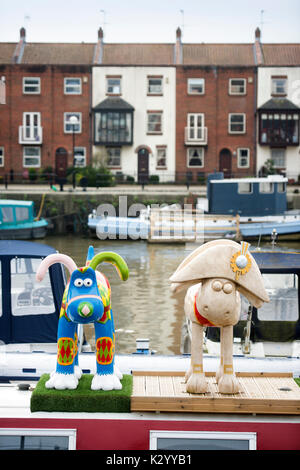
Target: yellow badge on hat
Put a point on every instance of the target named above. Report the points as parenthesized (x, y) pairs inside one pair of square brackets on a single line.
[(241, 262)]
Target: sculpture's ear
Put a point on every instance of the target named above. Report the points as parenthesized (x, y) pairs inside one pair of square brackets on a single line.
[(178, 286), (253, 300), (52, 259), (113, 258)]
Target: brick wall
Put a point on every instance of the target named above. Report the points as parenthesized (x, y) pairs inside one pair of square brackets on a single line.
[(215, 104), (51, 103)]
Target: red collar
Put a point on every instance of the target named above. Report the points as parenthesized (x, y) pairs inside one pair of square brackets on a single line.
[(200, 319)]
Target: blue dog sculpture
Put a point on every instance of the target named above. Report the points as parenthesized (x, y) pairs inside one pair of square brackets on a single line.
[(86, 300)]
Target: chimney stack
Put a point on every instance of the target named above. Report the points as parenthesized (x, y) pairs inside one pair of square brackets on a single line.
[(19, 51), (259, 57), (178, 47), (99, 48)]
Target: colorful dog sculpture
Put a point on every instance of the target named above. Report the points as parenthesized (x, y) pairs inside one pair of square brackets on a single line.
[(215, 275), (86, 300)]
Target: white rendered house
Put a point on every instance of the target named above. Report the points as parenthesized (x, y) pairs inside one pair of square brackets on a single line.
[(134, 118)]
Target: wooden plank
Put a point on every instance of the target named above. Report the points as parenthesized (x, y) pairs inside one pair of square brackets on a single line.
[(152, 386), (166, 386)]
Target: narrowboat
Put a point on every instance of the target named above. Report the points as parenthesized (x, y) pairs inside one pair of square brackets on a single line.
[(18, 221), (28, 323)]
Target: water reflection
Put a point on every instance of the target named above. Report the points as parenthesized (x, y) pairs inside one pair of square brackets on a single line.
[(143, 306)]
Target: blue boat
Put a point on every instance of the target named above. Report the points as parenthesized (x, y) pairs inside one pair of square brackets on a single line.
[(18, 221)]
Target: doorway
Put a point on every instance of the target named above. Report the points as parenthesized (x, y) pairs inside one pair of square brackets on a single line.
[(225, 161), (61, 162), (143, 165)]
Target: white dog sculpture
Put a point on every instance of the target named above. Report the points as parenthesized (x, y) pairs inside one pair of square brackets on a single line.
[(216, 273)]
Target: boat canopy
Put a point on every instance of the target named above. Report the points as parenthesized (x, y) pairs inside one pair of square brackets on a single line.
[(29, 310)]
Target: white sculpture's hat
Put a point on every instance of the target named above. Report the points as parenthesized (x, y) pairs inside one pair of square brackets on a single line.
[(224, 259)]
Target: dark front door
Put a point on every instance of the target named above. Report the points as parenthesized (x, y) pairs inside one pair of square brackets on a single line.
[(61, 162), (225, 162), (143, 166)]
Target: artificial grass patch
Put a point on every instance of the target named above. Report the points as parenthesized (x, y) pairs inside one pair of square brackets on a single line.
[(83, 399)]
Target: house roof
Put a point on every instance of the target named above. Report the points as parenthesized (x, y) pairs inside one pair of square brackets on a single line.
[(7, 50), (138, 54), (279, 104), (114, 103), (218, 54), (58, 53), (281, 54)]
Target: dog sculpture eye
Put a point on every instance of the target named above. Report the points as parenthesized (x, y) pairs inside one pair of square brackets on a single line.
[(78, 282), (88, 282)]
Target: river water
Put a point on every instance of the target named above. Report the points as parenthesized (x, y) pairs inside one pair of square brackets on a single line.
[(143, 306)]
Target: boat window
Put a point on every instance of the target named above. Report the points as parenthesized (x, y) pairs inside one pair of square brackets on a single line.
[(281, 187), (22, 213), (29, 297), (7, 214), (201, 440), (265, 187), (283, 293), (245, 188), (37, 439)]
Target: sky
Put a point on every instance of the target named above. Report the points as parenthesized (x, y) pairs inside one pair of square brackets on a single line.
[(213, 21)]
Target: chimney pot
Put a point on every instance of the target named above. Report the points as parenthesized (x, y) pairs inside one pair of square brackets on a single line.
[(178, 33), (100, 33), (257, 33), (22, 33)]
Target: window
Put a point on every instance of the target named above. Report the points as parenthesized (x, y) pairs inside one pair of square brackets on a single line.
[(113, 85), (283, 294), (196, 86), (114, 157), (79, 157), (195, 127), (31, 129), (7, 214), (266, 187), (243, 158), (237, 86), (244, 188), (31, 157), (72, 86), (22, 213), (154, 124), (1, 156), (31, 85), (161, 157), (279, 86), (279, 128), (202, 440), (113, 127), (37, 439), (69, 127), (281, 187), (29, 297), (155, 86), (237, 123), (278, 157), (195, 157)]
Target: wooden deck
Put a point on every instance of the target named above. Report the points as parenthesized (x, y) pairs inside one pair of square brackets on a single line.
[(264, 393)]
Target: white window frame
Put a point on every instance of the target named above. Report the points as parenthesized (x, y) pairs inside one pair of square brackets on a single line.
[(155, 93), (77, 88), (71, 433), (229, 123), (274, 161), (266, 187), (239, 156), (66, 122), (158, 113), (201, 149), (38, 165), (245, 192), (231, 90), (38, 86), (274, 86), (83, 150), (198, 435), (2, 155), (189, 80), (158, 149), (114, 165), (120, 86)]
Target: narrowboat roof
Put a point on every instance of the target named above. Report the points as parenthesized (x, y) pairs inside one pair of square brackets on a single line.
[(23, 248), (277, 261), (268, 179), (14, 202)]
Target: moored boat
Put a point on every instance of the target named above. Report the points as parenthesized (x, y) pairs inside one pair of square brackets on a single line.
[(18, 222)]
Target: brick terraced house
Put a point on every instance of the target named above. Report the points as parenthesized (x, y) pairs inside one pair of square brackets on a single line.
[(177, 111)]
